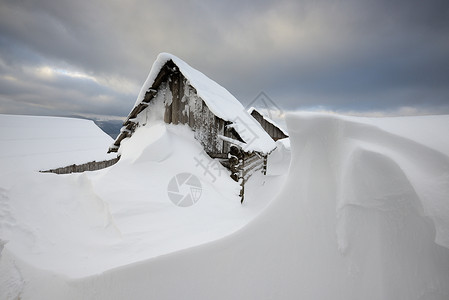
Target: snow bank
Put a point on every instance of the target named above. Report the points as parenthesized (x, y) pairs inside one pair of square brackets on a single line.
[(430, 131), (65, 227), (279, 158), (37, 143), (356, 218), (351, 222), (220, 102)]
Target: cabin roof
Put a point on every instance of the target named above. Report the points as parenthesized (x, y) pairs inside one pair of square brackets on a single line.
[(252, 109), (219, 101)]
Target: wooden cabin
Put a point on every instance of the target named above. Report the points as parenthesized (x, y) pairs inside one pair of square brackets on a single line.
[(274, 130), (179, 94)]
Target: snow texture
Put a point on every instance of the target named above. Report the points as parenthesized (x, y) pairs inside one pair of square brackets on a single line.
[(220, 102), (38, 143), (65, 227), (362, 213)]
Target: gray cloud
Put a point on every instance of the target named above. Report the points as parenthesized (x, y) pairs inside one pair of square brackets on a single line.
[(341, 55)]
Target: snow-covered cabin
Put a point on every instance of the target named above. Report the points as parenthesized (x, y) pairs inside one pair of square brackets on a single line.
[(179, 94), (274, 130)]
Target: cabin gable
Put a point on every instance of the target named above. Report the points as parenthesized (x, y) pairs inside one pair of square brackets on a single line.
[(170, 97), (273, 131), (177, 102)]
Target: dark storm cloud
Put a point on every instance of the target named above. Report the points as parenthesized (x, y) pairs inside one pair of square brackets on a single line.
[(372, 55), (341, 55)]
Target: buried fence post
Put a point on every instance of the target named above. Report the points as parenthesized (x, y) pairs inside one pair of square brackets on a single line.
[(264, 169), (243, 165), (242, 178), (242, 190), (236, 165)]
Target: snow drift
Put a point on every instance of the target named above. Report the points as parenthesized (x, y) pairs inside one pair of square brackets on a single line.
[(353, 221), (363, 214), (38, 143), (63, 227)]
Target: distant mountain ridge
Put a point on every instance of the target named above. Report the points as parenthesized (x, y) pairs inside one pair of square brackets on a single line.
[(110, 127)]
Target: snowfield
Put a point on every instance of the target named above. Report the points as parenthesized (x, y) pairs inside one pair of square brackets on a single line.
[(351, 208), (38, 143)]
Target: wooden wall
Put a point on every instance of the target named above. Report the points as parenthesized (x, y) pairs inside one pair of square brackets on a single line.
[(186, 107), (182, 106), (271, 129)]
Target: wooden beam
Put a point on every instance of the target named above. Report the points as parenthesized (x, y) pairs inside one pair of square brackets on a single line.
[(149, 95)]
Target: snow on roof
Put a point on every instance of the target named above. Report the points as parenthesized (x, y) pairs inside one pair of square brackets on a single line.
[(250, 111), (220, 102)]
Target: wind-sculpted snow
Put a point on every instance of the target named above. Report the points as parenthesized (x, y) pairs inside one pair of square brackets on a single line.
[(377, 169), (55, 228), (362, 214), (355, 219)]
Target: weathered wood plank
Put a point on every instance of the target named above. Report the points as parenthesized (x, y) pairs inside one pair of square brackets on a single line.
[(174, 87), (90, 166), (274, 132), (149, 95)]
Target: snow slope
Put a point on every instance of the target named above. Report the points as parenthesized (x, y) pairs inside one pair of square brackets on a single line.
[(37, 143), (362, 214), (79, 225), (348, 224), (430, 131)]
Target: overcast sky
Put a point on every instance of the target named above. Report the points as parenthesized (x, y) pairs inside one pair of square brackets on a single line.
[(60, 57)]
